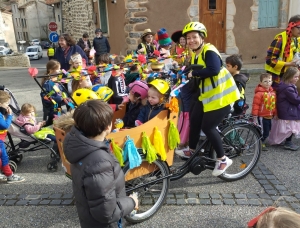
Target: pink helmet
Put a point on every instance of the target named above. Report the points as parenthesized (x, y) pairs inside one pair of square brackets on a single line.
[(140, 88)]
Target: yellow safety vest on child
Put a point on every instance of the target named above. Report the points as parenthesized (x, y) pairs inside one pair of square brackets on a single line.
[(217, 91)]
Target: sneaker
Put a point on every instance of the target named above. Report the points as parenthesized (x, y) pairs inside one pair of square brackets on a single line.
[(184, 153), (14, 179), (2, 177), (290, 146), (221, 164), (264, 147)]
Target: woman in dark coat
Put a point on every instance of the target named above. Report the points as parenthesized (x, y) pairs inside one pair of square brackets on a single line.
[(67, 47)]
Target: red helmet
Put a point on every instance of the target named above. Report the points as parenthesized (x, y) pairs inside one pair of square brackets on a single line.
[(140, 88)]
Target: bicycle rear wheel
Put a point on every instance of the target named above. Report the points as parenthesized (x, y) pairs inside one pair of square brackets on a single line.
[(152, 196), (242, 144)]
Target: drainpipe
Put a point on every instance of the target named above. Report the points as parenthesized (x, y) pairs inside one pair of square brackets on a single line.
[(36, 7), (61, 17)]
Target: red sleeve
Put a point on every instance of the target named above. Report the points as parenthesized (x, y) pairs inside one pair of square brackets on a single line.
[(113, 106)]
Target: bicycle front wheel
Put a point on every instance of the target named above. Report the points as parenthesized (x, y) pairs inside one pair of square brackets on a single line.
[(242, 144), (151, 196)]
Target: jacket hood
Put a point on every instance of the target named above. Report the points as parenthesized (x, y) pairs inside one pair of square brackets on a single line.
[(259, 88), (242, 78), (77, 146), (282, 86)]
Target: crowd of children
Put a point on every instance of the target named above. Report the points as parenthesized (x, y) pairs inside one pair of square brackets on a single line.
[(133, 85)]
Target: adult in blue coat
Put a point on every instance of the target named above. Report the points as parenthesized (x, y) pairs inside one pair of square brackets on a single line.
[(67, 47)]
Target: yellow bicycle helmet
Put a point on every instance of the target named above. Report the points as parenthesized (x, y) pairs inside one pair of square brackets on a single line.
[(161, 85), (82, 95), (103, 92), (194, 27)]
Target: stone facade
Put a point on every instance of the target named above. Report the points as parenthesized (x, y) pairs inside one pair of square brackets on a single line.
[(134, 19), (18, 60), (77, 16)]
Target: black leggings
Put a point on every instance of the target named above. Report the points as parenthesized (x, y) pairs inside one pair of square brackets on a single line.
[(208, 122)]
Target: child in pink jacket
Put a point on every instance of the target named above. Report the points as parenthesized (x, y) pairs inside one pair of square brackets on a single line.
[(27, 120)]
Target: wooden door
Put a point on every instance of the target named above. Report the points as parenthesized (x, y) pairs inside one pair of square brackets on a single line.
[(213, 16)]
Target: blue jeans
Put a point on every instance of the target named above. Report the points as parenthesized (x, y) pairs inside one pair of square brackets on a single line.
[(266, 125)]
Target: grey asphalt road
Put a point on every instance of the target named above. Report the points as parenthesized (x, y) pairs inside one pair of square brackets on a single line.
[(283, 164)]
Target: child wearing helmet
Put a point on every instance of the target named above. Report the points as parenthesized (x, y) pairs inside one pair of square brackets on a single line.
[(81, 80), (214, 90), (138, 92), (157, 94)]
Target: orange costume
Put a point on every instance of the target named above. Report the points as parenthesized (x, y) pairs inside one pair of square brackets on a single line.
[(264, 102)]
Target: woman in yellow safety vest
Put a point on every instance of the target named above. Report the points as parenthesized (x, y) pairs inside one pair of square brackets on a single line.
[(147, 46), (284, 51), (214, 90)]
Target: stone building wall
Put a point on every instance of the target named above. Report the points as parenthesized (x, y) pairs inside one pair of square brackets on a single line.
[(77, 16), (142, 14)]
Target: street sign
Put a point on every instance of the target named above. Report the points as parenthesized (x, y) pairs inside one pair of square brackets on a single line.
[(53, 37), (52, 26)]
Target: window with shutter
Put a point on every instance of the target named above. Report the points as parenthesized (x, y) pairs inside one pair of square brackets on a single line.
[(268, 11), (103, 16)]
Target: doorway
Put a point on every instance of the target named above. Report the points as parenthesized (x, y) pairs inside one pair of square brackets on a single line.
[(213, 16)]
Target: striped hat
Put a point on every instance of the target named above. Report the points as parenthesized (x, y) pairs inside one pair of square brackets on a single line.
[(163, 37)]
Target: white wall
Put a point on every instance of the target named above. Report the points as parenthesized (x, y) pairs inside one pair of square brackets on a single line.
[(294, 8), (9, 34)]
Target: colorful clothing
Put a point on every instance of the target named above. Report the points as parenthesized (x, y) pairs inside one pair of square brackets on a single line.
[(282, 129), (118, 86), (219, 90), (288, 102), (31, 125), (276, 58), (264, 102), (288, 112), (5, 122), (184, 127)]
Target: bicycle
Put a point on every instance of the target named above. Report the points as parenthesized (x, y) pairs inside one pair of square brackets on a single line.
[(241, 142)]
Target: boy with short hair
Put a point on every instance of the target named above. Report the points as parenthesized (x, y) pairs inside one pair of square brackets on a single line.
[(5, 122), (98, 180), (234, 65), (264, 105)]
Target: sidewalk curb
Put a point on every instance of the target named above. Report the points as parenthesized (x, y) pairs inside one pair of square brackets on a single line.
[(18, 68)]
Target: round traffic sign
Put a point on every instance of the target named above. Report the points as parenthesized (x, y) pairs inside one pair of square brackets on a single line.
[(53, 37), (52, 26)]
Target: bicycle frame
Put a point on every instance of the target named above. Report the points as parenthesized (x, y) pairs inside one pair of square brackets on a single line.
[(184, 169)]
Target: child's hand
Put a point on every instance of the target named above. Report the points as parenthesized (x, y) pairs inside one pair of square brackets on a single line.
[(190, 74), (120, 106), (9, 111), (137, 123), (125, 99), (135, 198)]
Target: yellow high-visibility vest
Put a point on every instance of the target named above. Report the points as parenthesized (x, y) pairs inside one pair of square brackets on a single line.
[(145, 50), (217, 91), (51, 52)]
